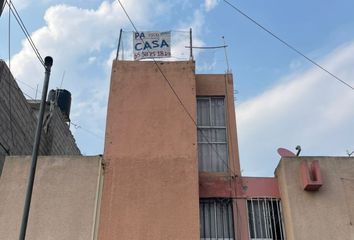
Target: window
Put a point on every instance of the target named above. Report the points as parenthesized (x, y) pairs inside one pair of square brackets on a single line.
[(265, 219), (212, 136), (216, 219)]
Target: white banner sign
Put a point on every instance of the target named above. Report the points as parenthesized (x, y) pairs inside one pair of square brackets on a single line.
[(151, 45)]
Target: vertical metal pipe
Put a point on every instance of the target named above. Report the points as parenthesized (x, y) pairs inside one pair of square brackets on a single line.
[(119, 39), (190, 44), (48, 62)]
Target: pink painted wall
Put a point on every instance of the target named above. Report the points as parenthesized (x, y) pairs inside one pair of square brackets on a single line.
[(244, 187), (218, 184), (151, 180)]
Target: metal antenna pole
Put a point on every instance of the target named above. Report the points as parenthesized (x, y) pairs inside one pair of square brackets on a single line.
[(227, 60), (122, 49), (48, 62), (190, 44), (120, 36)]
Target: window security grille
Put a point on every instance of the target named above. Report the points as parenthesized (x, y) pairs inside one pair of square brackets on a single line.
[(216, 219), (212, 136), (265, 219)]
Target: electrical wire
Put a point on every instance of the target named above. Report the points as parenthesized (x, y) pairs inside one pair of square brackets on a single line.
[(289, 45), (18, 18), (212, 47), (231, 172), (9, 38), (19, 89), (77, 126), (233, 184), (178, 98), (29, 86), (9, 89), (18, 128)]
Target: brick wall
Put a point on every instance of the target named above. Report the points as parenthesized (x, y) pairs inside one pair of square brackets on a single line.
[(18, 123)]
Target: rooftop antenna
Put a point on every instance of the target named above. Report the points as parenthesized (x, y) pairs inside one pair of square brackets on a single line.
[(62, 79), (36, 91), (190, 45), (119, 39), (227, 60), (122, 49)]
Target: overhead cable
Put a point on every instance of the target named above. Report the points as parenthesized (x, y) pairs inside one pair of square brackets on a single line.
[(289, 45), (77, 126), (24, 30), (178, 98)]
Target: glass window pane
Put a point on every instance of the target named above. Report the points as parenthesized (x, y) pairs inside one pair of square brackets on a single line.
[(203, 112), (204, 156), (216, 219), (211, 134), (217, 112), (204, 135), (264, 219), (218, 135)]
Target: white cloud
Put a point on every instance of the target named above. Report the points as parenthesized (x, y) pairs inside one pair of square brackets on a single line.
[(20, 4), (82, 43), (311, 109), (196, 22), (210, 4)]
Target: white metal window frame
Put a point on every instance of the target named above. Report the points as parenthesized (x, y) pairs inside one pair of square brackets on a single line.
[(269, 216), (229, 222), (213, 144)]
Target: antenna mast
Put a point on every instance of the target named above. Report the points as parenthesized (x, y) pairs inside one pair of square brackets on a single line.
[(227, 60)]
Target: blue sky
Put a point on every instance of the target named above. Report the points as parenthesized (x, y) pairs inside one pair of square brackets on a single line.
[(282, 100)]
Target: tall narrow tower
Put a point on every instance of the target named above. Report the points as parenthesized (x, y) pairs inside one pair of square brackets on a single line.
[(151, 179)]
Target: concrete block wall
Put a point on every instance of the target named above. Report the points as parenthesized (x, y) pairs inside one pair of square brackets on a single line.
[(17, 120), (59, 137), (18, 123)]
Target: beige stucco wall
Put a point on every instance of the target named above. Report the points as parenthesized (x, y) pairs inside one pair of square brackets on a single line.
[(65, 197), (151, 179), (327, 214)]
